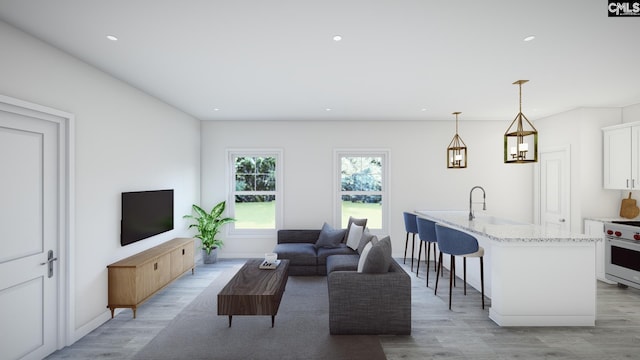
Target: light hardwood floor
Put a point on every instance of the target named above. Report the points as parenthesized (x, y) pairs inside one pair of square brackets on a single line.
[(465, 332)]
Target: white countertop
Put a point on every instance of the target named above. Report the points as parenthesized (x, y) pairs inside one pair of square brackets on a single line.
[(500, 229)]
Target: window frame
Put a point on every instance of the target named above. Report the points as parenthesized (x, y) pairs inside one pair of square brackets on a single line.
[(385, 154), (231, 176)]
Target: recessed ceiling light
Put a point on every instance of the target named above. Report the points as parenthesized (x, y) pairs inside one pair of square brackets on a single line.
[(337, 38), (327, 109), (423, 109), (216, 109), (529, 38), (112, 38)]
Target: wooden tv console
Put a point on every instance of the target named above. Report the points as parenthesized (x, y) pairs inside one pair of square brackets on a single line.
[(135, 279)]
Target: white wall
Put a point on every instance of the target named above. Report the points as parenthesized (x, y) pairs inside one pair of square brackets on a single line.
[(125, 141), (419, 177), (631, 113), (581, 130)]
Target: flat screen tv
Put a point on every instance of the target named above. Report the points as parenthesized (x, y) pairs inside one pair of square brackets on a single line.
[(144, 214)]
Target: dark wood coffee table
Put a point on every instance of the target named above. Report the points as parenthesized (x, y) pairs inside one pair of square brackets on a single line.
[(254, 291)]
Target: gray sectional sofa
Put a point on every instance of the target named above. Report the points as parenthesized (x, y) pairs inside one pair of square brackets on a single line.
[(376, 300), (299, 247)]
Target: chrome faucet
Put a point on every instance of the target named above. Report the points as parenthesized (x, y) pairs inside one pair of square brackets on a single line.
[(484, 202)]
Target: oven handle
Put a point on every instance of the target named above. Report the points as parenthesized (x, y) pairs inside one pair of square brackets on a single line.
[(623, 243)]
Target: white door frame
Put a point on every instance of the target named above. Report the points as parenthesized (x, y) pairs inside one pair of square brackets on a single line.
[(537, 216), (66, 211)]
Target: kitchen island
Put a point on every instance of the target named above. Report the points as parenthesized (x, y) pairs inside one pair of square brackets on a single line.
[(534, 275)]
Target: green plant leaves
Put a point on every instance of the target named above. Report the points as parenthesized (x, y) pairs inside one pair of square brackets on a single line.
[(209, 225)]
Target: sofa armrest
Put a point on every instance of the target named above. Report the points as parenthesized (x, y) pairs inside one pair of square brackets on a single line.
[(362, 303), (287, 236)]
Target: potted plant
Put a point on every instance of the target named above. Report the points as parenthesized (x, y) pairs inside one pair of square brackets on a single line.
[(208, 225)]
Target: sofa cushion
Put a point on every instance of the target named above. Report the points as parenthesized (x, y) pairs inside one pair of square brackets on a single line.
[(354, 235), (366, 238), (378, 259), (359, 222), (330, 237), (297, 254), (324, 253), (342, 263)]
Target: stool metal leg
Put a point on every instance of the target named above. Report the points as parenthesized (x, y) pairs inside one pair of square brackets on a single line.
[(413, 245), (451, 276), (482, 279), (418, 267), (406, 244), (435, 291), (426, 262), (464, 266)]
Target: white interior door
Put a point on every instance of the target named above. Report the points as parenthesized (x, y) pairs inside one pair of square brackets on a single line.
[(555, 188), (29, 230)]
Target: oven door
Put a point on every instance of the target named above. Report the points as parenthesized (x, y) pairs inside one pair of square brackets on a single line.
[(622, 261)]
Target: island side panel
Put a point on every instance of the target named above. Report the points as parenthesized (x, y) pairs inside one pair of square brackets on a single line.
[(543, 284)]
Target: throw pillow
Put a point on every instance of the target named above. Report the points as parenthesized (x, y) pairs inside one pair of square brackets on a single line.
[(353, 236), (363, 256), (379, 257), (359, 222), (329, 237), (364, 240)]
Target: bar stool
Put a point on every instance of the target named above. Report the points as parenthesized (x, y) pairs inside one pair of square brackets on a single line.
[(411, 226), (458, 243), (427, 233)]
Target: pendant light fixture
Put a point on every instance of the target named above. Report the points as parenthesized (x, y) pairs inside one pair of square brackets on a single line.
[(457, 150), (521, 138)]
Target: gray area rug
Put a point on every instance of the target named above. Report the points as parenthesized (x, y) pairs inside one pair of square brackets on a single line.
[(301, 329)]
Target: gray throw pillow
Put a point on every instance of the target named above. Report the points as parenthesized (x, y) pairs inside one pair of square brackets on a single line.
[(329, 237), (366, 237), (378, 260)]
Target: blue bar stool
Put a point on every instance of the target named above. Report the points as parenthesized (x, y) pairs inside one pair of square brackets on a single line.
[(458, 243), (427, 233), (411, 226)]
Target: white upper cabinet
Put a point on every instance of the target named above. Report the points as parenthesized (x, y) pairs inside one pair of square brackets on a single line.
[(622, 156)]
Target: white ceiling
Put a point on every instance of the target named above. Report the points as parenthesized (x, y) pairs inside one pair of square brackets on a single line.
[(398, 60)]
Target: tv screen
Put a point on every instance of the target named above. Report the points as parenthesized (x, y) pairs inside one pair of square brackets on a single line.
[(144, 214)]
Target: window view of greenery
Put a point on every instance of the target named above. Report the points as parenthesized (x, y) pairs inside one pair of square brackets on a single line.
[(255, 192), (361, 189)]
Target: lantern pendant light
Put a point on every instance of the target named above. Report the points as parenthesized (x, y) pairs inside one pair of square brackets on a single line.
[(521, 138), (457, 150)]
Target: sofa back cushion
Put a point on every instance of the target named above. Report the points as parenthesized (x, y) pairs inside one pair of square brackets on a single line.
[(378, 259), (298, 236), (365, 239)]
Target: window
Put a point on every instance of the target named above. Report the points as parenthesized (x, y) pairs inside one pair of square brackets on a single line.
[(362, 187), (255, 191)]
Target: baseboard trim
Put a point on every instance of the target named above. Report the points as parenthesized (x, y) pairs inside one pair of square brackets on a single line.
[(85, 329)]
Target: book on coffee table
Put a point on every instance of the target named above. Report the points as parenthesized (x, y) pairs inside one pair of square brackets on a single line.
[(269, 265)]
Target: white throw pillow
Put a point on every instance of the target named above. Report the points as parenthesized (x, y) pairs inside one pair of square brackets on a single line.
[(354, 236), (363, 256)]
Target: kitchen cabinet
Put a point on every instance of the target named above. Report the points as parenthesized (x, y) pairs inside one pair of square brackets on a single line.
[(621, 146)]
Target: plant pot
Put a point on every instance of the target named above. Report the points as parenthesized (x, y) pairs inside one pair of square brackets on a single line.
[(210, 258)]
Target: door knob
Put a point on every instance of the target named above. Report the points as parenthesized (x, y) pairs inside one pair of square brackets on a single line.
[(562, 220), (50, 260)]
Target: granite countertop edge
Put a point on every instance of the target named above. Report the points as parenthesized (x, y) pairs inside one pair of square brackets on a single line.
[(509, 233)]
